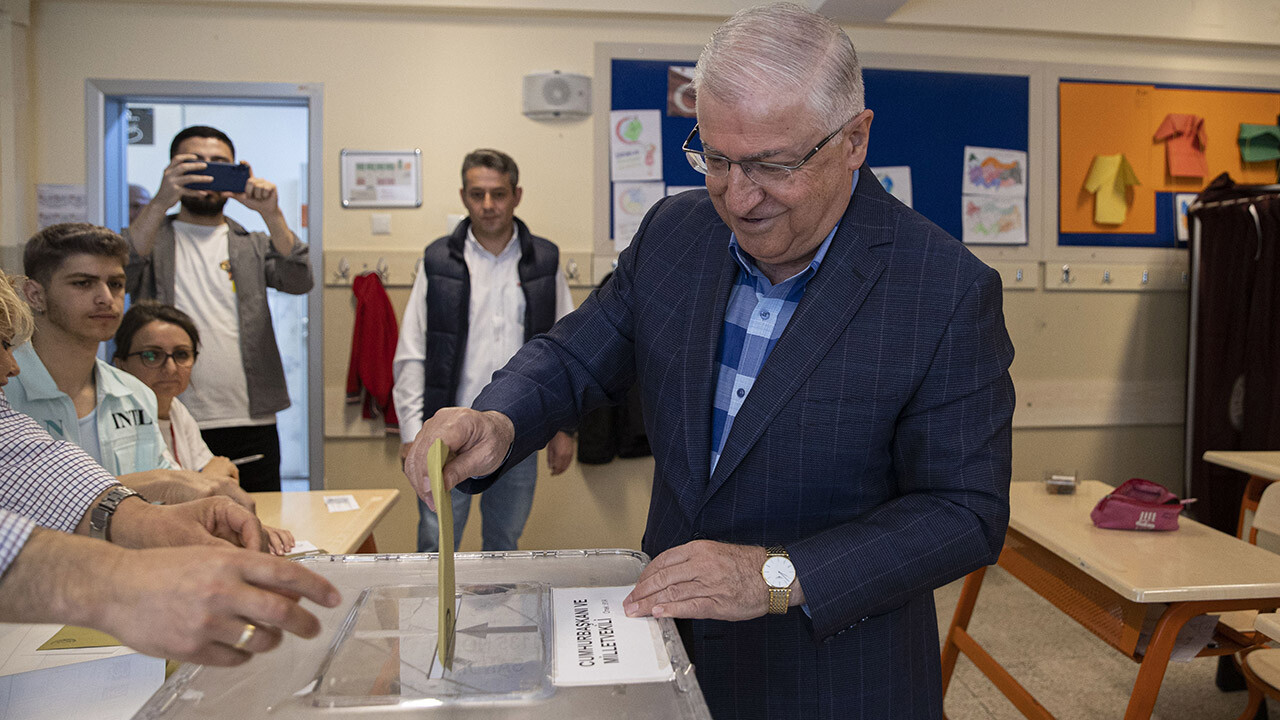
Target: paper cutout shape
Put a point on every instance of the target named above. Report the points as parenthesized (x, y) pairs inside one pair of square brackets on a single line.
[(437, 456), (1184, 147), (1259, 143), (1109, 179)]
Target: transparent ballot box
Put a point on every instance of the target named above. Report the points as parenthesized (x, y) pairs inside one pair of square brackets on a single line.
[(376, 654)]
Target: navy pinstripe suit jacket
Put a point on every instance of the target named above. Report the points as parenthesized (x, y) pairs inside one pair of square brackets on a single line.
[(875, 444)]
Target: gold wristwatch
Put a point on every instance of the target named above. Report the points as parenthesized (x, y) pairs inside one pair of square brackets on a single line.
[(778, 574)]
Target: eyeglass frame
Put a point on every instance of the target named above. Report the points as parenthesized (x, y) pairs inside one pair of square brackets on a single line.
[(167, 357), (744, 163)]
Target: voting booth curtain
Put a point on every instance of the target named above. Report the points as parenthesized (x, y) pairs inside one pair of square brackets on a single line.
[(1234, 364)]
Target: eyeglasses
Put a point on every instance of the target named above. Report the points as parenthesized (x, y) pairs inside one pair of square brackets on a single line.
[(761, 173), (182, 357)]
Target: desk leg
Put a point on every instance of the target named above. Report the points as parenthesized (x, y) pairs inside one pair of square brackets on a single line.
[(960, 621), (368, 546), (1156, 660)]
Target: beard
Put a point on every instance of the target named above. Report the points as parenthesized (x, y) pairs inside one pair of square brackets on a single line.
[(204, 205)]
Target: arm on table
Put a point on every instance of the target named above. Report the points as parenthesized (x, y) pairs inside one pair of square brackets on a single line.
[(189, 604), (179, 486)]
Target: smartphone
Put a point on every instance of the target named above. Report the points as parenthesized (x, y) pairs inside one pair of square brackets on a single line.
[(231, 177)]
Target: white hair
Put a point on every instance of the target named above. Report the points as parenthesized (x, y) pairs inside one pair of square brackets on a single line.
[(783, 48), (16, 324)]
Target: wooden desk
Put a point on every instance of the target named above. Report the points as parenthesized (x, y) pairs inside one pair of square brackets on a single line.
[(305, 515), (1109, 580), (1263, 467)]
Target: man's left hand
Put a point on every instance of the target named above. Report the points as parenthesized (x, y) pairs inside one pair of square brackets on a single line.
[(259, 195), (560, 452), (704, 579)]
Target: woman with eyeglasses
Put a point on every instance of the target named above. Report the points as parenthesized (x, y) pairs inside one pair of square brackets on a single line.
[(158, 344)]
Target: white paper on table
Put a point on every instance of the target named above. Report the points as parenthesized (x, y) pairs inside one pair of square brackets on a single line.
[(630, 202), (992, 171), (19, 651), (597, 644), (896, 180), (303, 546), (993, 220), (635, 145), (341, 503), (109, 688)]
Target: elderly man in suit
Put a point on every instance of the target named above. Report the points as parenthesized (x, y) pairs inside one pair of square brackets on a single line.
[(824, 376)]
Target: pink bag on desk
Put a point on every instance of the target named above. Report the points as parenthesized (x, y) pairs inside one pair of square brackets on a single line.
[(1138, 505)]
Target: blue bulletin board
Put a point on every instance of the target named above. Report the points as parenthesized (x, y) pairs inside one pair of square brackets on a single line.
[(642, 85), (923, 119)]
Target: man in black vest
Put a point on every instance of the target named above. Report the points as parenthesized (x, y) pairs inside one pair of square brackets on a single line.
[(480, 293)]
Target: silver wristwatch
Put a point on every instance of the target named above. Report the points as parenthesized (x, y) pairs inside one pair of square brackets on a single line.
[(100, 518)]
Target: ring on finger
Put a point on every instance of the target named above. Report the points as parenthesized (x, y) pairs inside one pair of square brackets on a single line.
[(246, 635)]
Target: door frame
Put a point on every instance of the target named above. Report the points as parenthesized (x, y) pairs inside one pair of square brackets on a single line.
[(105, 99)]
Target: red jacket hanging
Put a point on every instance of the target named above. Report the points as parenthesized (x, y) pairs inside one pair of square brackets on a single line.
[(373, 345)]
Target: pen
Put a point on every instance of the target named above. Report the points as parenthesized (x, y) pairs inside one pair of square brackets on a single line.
[(247, 459)]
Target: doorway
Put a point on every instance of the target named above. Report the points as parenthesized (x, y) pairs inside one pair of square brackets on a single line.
[(276, 128)]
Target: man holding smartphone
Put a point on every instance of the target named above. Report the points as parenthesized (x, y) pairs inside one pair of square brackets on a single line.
[(210, 267)]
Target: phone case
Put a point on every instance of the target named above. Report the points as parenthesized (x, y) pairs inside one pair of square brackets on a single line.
[(229, 177)]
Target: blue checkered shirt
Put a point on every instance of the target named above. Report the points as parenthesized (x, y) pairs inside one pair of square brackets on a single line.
[(757, 313), (43, 482)]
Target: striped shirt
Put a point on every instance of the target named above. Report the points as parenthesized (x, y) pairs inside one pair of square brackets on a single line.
[(757, 313), (43, 482)]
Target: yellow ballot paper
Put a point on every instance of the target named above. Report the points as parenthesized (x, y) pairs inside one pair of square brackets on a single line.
[(71, 636), (437, 456)]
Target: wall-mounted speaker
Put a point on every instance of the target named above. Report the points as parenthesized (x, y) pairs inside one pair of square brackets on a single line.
[(550, 95)]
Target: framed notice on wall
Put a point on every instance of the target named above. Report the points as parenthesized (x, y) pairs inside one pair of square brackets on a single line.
[(381, 178)]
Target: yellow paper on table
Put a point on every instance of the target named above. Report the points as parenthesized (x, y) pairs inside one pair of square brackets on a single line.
[(437, 456), (71, 636), (1109, 179)]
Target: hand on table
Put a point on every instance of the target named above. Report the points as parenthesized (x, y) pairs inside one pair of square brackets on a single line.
[(479, 442), (279, 540), (179, 486), (705, 579), (208, 521), (194, 604)]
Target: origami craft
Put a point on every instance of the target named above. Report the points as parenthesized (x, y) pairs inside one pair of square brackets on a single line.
[(1109, 179), (1259, 142), (1184, 147)]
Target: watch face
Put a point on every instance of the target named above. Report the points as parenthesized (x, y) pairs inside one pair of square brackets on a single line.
[(778, 572)]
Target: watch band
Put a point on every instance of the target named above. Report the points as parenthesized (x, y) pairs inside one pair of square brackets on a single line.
[(100, 518), (779, 598)]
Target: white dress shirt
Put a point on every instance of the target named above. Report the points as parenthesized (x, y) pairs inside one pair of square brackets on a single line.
[(495, 329)]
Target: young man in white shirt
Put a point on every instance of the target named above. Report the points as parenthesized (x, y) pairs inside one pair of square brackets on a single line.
[(76, 290), (480, 293), (211, 268)]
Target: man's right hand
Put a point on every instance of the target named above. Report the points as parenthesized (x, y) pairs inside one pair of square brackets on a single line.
[(208, 521), (189, 603), (479, 442), (178, 486), (192, 604), (174, 182)]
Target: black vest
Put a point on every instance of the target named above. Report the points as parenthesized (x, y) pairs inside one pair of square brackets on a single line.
[(449, 305)]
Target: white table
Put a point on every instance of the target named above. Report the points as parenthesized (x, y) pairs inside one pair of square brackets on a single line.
[(1109, 580)]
